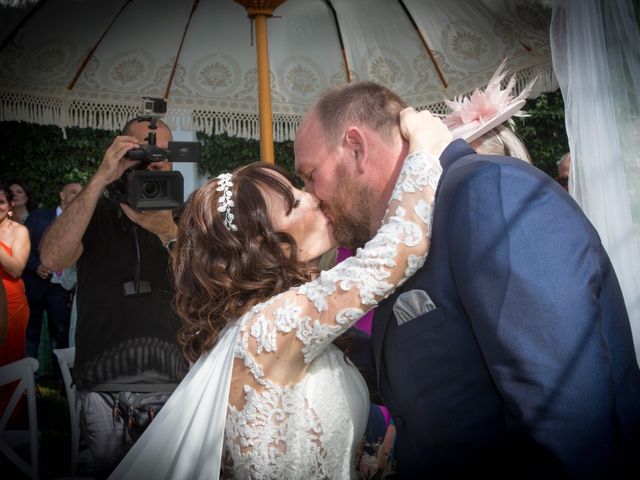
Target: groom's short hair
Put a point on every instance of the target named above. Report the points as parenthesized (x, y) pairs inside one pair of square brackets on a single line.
[(366, 103)]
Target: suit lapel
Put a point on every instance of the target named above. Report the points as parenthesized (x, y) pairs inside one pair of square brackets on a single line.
[(380, 323)]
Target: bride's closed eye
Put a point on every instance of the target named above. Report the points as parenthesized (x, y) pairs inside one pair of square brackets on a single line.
[(295, 204)]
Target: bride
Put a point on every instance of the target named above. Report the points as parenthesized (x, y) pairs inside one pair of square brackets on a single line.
[(269, 395)]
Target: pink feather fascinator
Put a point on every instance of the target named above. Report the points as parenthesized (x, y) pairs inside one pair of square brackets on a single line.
[(473, 116)]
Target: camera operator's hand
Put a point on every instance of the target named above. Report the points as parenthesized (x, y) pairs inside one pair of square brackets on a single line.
[(114, 162), (159, 222)]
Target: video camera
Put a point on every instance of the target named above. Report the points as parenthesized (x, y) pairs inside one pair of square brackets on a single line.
[(148, 190)]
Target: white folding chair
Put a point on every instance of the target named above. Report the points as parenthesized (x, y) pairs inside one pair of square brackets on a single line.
[(21, 371), (66, 358)]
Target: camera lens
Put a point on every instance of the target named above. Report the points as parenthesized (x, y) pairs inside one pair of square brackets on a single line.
[(150, 189)]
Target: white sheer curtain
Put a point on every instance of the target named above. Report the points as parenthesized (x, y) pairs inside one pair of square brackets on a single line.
[(596, 57)]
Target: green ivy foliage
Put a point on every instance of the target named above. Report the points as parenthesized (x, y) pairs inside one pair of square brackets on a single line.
[(40, 157), (543, 132), (222, 153)]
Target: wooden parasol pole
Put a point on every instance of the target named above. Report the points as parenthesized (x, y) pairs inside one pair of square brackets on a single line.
[(260, 11)]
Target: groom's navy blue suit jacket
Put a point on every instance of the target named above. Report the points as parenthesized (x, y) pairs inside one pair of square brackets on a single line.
[(526, 365)]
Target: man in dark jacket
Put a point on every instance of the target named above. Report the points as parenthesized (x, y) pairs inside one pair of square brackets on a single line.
[(127, 360), (47, 290)]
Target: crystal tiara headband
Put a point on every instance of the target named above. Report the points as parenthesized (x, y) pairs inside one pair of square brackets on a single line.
[(473, 116), (225, 201)]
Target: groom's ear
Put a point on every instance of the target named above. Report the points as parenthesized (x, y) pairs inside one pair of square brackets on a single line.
[(357, 146)]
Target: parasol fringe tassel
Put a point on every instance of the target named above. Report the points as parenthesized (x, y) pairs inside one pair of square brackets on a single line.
[(244, 125), (86, 114), (45, 111), (27, 108)]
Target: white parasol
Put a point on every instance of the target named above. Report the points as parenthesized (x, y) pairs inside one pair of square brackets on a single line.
[(87, 63)]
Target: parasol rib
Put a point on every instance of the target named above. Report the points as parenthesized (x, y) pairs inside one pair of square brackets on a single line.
[(347, 70), (194, 7), (425, 44), (92, 51), (26, 18)]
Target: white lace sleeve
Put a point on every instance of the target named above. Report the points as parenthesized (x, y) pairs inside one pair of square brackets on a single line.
[(319, 311)]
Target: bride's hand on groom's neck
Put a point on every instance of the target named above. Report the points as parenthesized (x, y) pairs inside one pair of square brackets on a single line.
[(424, 132)]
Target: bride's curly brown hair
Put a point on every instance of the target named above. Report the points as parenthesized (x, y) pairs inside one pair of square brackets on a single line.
[(219, 274)]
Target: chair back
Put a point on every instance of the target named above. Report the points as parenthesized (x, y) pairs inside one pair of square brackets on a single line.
[(66, 358), (21, 371)]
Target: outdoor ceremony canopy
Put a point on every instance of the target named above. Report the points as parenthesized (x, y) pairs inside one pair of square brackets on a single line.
[(88, 63), (252, 68)]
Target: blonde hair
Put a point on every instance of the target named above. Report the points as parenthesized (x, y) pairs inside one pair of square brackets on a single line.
[(501, 140)]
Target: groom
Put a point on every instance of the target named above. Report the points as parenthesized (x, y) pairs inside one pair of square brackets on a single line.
[(510, 352)]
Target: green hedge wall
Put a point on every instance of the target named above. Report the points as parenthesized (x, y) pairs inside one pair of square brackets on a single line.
[(543, 132), (41, 158), (221, 153)]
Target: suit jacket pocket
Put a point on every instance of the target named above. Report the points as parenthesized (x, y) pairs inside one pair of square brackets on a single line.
[(420, 324)]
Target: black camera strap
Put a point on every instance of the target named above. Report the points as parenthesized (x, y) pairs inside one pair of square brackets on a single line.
[(137, 286)]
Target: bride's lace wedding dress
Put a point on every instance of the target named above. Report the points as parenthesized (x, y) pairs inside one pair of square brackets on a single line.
[(311, 427)]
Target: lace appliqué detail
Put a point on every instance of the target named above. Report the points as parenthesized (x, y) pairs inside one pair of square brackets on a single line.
[(279, 434), (368, 269), (417, 173), (307, 430), (313, 334), (266, 443)]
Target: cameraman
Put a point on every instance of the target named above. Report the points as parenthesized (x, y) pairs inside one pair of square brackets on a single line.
[(127, 358)]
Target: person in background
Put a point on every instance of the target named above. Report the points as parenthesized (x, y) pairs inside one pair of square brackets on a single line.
[(4, 314), (501, 140), (23, 202), (564, 167), (128, 360), (14, 251), (48, 291)]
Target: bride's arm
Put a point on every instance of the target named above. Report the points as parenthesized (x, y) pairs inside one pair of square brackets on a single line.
[(302, 321)]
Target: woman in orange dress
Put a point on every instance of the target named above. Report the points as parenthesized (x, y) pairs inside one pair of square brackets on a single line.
[(14, 251)]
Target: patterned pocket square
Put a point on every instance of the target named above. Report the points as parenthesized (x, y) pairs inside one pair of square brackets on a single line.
[(412, 304)]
